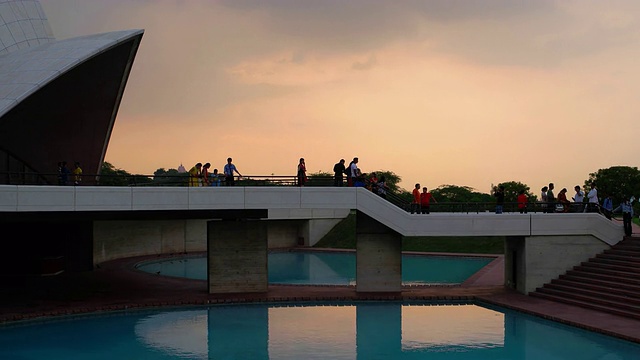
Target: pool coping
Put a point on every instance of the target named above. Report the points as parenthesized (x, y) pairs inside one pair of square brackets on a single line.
[(116, 285)]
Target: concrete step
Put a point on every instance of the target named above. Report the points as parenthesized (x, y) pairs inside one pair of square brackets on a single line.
[(627, 247), (626, 263), (621, 252), (595, 300), (587, 305), (603, 295), (606, 282), (621, 268), (630, 240), (634, 280), (606, 287), (618, 257), (600, 270)]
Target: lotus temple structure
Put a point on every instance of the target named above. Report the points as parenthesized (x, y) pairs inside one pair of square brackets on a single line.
[(58, 98)]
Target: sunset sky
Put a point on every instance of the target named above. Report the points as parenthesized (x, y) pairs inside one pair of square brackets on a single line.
[(457, 92)]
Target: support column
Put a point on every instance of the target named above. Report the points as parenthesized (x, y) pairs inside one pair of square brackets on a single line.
[(378, 256), (237, 256)]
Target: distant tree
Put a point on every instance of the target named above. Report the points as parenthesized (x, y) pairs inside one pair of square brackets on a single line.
[(392, 180), (170, 177), (512, 189), (454, 193), (112, 176), (320, 178), (618, 181)]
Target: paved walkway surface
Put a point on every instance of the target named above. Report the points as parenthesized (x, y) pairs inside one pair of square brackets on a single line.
[(116, 285)]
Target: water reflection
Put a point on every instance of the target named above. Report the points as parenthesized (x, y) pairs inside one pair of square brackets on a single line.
[(367, 330), (332, 268)]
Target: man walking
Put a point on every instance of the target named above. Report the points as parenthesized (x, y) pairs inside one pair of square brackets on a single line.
[(593, 198), (578, 199), (338, 170), (627, 215), (229, 169)]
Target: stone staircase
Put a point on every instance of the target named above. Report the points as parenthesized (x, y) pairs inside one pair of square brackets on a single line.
[(608, 282)]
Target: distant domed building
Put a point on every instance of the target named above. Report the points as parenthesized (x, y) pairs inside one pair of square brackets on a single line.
[(181, 169), (59, 98)]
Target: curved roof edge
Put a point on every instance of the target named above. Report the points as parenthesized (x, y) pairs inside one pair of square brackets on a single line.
[(23, 72)]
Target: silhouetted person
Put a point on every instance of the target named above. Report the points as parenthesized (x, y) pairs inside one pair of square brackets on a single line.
[(499, 194), (229, 169), (382, 187), (415, 204), (63, 173), (522, 201), (592, 196), (77, 174), (338, 171), (627, 215), (607, 206), (302, 172), (425, 200), (195, 174), (551, 199)]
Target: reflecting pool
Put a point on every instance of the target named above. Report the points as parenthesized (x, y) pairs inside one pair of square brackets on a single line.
[(359, 330), (332, 268)]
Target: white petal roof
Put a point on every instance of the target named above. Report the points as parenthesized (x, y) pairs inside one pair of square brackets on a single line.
[(23, 23), (24, 71)]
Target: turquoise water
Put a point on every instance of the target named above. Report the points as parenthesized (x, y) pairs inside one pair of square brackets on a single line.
[(360, 330), (333, 268)]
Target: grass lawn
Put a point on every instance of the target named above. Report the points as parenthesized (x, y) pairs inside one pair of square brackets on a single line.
[(343, 236)]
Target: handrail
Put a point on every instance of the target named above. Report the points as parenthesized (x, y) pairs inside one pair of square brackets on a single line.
[(182, 179)]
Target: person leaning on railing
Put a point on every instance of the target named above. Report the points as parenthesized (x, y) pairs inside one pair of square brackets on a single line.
[(627, 215)]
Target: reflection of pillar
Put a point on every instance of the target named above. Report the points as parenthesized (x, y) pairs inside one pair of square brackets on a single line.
[(237, 256), (238, 332), (514, 333), (378, 256), (379, 330)]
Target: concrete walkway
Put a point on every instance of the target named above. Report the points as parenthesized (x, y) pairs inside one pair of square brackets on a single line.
[(117, 285)]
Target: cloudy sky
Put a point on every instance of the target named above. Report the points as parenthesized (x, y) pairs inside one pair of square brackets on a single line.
[(440, 92)]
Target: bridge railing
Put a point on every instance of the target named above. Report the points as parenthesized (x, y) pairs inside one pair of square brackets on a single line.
[(182, 179)]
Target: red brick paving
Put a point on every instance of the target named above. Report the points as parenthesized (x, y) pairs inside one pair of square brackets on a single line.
[(116, 285)]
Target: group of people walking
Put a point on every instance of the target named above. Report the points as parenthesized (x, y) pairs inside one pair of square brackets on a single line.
[(64, 173), (581, 202), (587, 203), (200, 175), (421, 200), (356, 178)]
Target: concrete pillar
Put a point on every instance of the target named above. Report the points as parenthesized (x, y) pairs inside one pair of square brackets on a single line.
[(378, 256), (237, 256)]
